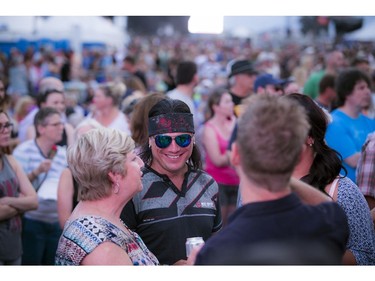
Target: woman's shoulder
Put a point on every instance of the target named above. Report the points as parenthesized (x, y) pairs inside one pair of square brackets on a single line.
[(12, 161), (347, 186), (349, 193), (88, 220)]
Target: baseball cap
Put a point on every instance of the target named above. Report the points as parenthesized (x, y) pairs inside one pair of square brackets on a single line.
[(266, 79), (241, 66)]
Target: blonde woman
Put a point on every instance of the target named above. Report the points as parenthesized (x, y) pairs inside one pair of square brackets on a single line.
[(108, 171), (67, 191)]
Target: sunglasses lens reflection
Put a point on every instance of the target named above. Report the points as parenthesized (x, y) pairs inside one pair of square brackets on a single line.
[(164, 141), (183, 140)]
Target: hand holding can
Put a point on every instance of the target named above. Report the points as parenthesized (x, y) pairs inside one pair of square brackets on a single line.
[(191, 243)]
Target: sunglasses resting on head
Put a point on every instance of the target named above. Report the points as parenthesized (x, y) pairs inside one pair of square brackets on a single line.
[(163, 141)]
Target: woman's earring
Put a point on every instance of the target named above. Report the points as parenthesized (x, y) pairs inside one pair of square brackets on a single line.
[(117, 187)]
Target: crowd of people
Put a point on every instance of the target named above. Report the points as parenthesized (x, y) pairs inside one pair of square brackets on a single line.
[(116, 158)]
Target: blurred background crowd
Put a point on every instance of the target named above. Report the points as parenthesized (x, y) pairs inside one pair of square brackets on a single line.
[(287, 47)]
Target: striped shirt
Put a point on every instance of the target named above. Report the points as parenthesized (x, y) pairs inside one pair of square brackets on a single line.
[(29, 156), (366, 167)]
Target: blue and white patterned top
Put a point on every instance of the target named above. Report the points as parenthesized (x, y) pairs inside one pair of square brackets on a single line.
[(83, 235), (361, 240)]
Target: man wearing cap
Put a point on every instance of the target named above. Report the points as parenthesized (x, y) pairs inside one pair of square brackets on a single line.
[(242, 74), (267, 84)]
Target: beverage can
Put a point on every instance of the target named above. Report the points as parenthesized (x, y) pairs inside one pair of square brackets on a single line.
[(191, 243)]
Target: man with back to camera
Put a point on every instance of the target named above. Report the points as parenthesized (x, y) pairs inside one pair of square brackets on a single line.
[(273, 225)]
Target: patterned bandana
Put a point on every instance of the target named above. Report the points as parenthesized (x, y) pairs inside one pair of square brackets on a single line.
[(170, 123)]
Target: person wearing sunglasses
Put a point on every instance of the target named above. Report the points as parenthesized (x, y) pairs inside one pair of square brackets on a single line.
[(6, 105), (178, 199), (17, 196)]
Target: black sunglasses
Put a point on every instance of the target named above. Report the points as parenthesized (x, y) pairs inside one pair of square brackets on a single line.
[(163, 141), (7, 125)]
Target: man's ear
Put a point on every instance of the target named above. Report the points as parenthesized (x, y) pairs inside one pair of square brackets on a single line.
[(39, 128), (112, 177)]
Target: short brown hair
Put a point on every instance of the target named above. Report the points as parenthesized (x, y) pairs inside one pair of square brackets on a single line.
[(271, 133)]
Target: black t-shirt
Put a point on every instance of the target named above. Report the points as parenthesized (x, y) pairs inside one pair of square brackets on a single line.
[(236, 99), (164, 216), (308, 234)]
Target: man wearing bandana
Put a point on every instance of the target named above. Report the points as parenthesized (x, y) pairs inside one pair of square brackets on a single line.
[(178, 200)]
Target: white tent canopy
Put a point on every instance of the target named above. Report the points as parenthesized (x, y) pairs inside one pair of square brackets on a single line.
[(76, 29), (366, 33)]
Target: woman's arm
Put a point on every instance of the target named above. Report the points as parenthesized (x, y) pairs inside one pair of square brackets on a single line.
[(212, 148), (7, 212), (352, 160), (308, 194), (349, 258), (360, 247), (65, 193), (107, 253), (28, 199)]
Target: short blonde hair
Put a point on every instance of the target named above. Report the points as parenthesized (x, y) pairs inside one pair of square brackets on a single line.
[(93, 156)]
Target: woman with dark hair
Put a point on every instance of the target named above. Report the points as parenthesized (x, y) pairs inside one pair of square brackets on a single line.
[(139, 118), (178, 199), (217, 132), (6, 106), (320, 167)]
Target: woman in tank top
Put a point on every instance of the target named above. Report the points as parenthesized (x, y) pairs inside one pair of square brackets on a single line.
[(17, 196), (217, 131)]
